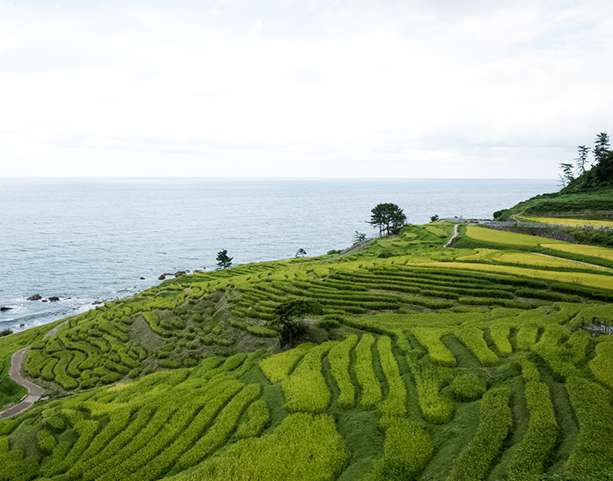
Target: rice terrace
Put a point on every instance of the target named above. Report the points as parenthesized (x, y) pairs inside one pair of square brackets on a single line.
[(484, 360)]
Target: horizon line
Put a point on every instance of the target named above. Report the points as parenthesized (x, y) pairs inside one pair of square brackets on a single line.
[(111, 177)]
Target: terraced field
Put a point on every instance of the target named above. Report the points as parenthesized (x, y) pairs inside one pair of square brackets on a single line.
[(596, 223), (425, 364)]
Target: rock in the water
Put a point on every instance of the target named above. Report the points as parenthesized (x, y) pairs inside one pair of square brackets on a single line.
[(141, 278), (164, 275), (35, 297), (180, 273), (54, 299), (5, 308)]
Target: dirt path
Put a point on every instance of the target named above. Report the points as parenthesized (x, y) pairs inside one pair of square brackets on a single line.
[(34, 391), (454, 236)]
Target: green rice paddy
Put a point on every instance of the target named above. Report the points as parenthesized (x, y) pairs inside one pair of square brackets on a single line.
[(428, 363)]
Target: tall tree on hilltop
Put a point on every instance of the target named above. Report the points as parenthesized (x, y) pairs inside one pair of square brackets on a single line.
[(388, 217), (566, 176), (581, 160), (601, 147)]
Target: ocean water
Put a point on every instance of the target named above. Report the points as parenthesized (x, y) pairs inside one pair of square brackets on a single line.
[(91, 240)]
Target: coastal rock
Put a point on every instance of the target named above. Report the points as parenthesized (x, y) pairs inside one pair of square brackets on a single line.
[(180, 273), (164, 275), (35, 297), (54, 299), (5, 308)]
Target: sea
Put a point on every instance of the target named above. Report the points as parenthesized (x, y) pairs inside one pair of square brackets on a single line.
[(90, 240)]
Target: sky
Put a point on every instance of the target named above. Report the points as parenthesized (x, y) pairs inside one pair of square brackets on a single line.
[(306, 88)]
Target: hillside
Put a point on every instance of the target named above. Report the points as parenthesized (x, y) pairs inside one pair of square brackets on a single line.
[(588, 196), (473, 362)]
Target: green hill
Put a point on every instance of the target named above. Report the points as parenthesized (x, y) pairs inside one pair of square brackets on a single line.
[(589, 196), (430, 363)]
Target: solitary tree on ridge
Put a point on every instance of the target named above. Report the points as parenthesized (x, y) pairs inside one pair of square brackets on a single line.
[(388, 217)]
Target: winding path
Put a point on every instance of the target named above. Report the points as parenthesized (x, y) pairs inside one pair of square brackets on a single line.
[(454, 236), (34, 391)]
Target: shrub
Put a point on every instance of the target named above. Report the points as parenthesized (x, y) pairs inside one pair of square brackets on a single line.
[(406, 450), (339, 360), (257, 418), (468, 386), (45, 441), (430, 338), (592, 405), (395, 404), (278, 367), (531, 453), (435, 407), (472, 338), (217, 434), (311, 449), (494, 423), (306, 389), (500, 336), (367, 379), (602, 364)]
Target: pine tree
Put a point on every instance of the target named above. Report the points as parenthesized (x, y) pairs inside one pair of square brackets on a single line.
[(223, 260), (581, 160), (388, 217), (601, 147), (567, 173)]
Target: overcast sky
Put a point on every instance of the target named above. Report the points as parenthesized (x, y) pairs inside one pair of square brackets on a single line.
[(255, 88)]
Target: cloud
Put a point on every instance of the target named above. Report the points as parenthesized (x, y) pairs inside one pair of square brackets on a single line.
[(400, 89)]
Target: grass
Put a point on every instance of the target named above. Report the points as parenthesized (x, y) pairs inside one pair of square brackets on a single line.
[(495, 421), (598, 223), (530, 455), (602, 365), (306, 389), (584, 250), (427, 363), (339, 359), (493, 236), (370, 388), (406, 451), (312, 449)]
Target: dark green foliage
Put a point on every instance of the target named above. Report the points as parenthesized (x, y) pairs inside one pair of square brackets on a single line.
[(388, 218), (289, 317), (224, 261)]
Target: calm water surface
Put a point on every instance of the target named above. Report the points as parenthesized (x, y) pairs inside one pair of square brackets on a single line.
[(87, 240)]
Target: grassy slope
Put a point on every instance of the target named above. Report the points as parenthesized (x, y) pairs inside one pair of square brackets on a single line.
[(437, 369), (594, 204)]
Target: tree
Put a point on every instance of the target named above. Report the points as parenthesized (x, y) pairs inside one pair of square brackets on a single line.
[(301, 252), (289, 319), (358, 238), (567, 173), (223, 260), (601, 147), (388, 217), (581, 160), (434, 218)]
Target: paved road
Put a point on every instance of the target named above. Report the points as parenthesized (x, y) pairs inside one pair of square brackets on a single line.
[(34, 391)]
